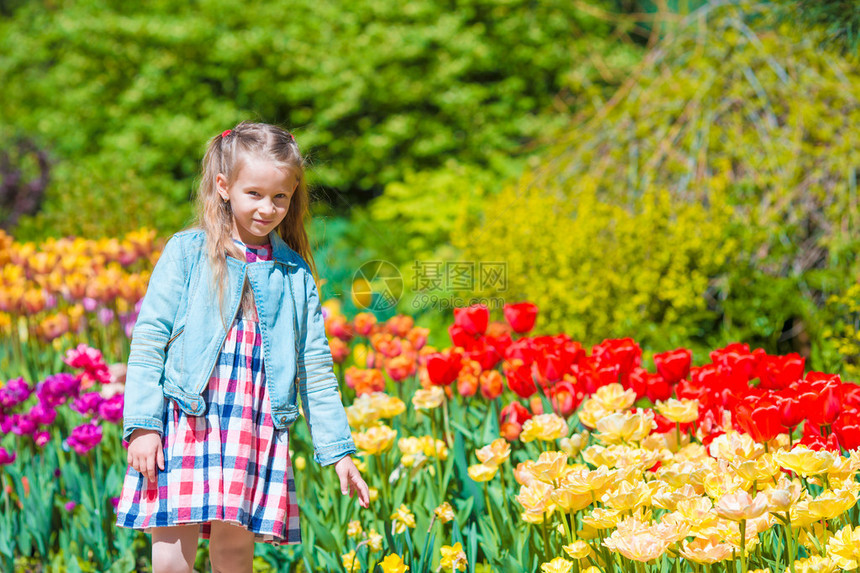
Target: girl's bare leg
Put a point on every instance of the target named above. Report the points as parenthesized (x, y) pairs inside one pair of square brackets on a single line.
[(174, 548), (231, 548)]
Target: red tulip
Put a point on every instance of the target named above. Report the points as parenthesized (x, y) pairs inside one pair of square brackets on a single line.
[(790, 410), (622, 352), (521, 316), (519, 377), (776, 372), (514, 412), (847, 430), (827, 406), (673, 366), (565, 397), (472, 319), (442, 369), (461, 337), (485, 354), (738, 359), (759, 417)]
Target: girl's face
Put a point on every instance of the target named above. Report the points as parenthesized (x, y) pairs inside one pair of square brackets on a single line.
[(259, 198)]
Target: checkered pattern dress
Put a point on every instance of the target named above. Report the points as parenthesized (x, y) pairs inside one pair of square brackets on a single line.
[(230, 463)]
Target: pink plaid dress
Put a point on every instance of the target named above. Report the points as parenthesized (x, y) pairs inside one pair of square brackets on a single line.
[(229, 464)]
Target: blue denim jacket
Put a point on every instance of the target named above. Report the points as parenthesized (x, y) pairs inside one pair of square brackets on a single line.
[(180, 332)]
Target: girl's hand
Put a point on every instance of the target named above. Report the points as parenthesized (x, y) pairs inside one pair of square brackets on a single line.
[(144, 450), (350, 478)]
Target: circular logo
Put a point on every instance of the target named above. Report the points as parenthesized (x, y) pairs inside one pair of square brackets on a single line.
[(377, 285)]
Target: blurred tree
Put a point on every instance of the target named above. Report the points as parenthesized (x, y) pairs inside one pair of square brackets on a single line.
[(735, 123), (372, 88)]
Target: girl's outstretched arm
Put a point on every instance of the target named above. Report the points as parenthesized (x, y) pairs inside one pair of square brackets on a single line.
[(318, 385), (144, 397)]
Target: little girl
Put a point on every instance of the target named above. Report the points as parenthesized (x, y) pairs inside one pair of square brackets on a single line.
[(229, 334)]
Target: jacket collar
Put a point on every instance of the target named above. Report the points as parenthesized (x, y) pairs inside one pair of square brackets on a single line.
[(281, 252)]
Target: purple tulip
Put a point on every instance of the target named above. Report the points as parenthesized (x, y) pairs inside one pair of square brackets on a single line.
[(50, 301), (42, 437), (42, 414), (89, 303), (84, 438), (105, 315), (57, 388), (14, 392), (70, 505), (88, 404), (6, 424), (110, 410), (23, 425), (115, 502), (6, 458)]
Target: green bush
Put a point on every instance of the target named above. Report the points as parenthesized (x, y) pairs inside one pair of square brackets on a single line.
[(749, 131), (372, 89)]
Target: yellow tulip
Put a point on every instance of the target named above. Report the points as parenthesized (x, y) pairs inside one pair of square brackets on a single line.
[(624, 427), (740, 506), (495, 453), (574, 444), (550, 466), (803, 461), (545, 427), (570, 501), (638, 547), (453, 557), (844, 547), (591, 412), (444, 512), (583, 480), (375, 440), (393, 564), (557, 565), (669, 498), (373, 493), (733, 446), (374, 540), (535, 496), (482, 473), (350, 562), (706, 550), (681, 411), (429, 398), (814, 564), (577, 550), (601, 518), (831, 504), (354, 529), (402, 518), (627, 496), (614, 397)]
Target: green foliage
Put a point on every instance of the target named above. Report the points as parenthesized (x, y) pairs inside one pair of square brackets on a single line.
[(835, 22), (715, 197), (372, 89), (843, 329)]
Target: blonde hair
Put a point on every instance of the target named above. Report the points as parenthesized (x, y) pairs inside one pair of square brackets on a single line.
[(226, 155)]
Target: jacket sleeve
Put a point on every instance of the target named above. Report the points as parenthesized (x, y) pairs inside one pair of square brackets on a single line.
[(318, 386), (143, 405)]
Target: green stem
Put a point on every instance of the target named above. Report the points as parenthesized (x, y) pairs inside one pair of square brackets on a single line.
[(437, 462), (743, 526), (490, 511), (544, 533), (789, 540)]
